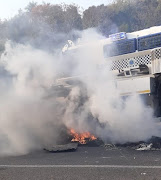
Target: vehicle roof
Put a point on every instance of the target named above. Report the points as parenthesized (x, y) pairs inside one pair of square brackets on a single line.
[(135, 34)]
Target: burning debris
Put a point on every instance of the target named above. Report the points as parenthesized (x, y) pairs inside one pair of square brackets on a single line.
[(75, 140), (82, 138)]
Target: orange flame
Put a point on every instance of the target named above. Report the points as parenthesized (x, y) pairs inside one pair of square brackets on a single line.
[(82, 137)]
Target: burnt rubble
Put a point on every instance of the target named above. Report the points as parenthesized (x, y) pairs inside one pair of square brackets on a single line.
[(110, 147), (153, 144), (92, 143), (62, 147)]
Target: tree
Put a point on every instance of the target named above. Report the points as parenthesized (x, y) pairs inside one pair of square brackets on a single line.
[(3, 35), (54, 24), (30, 6)]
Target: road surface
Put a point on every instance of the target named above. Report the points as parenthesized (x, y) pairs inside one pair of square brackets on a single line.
[(87, 163)]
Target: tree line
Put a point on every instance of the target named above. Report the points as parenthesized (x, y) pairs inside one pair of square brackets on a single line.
[(49, 26)]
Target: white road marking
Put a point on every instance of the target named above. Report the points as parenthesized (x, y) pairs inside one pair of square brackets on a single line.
[(81, 166)]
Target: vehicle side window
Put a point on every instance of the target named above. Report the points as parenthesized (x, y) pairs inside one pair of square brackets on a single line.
[(149, 42), (120, 48)]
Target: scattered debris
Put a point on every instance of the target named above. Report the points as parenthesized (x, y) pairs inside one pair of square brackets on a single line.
[(152, 144), (62, 148), (145, 147), (110, 147), (130, 145), (143, 174)]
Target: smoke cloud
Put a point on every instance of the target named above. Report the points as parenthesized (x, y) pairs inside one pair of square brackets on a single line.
[(32, 115), (105, 113)]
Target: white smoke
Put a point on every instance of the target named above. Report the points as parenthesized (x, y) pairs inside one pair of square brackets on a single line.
[(31, 115), (114, 119), (28, 120)]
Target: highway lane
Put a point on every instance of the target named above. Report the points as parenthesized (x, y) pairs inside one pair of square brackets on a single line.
[(85, 163)]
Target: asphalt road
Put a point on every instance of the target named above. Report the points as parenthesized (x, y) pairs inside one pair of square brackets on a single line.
[(92, 163)]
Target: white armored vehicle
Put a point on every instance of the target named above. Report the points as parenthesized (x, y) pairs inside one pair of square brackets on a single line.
[(136, 62)]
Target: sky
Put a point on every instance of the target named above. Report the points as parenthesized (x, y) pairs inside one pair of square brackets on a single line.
[(8, 8)]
